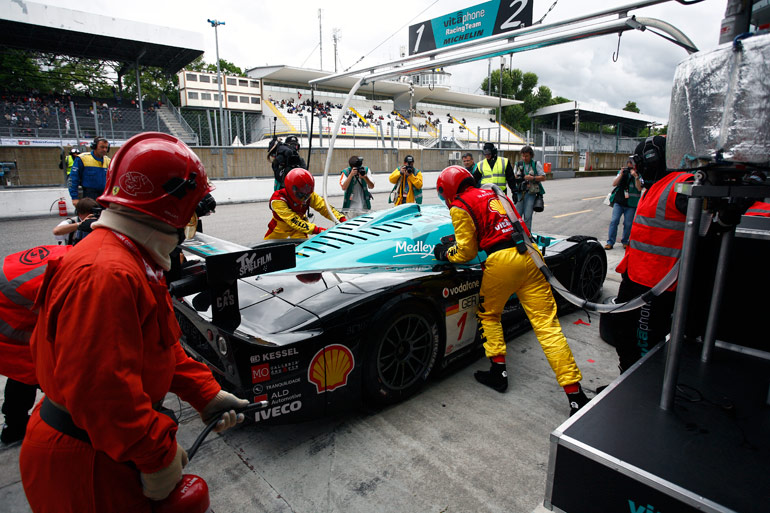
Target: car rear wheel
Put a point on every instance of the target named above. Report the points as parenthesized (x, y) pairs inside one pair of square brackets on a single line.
[(403, 356), (590, 275)]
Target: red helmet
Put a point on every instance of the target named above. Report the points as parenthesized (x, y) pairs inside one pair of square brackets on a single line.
[(159, 175), (451, 181), (299, 185)]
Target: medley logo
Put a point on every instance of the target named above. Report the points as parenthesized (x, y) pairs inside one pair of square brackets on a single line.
[(459, 289), (419, 248)]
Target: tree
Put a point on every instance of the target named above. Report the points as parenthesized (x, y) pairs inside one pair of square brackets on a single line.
[(631, 107), (226, 67), (522, 86)]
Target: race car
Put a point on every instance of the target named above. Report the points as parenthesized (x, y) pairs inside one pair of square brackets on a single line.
[(360, 312)]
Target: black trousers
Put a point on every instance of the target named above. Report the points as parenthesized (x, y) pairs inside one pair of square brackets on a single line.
[(19, 399)]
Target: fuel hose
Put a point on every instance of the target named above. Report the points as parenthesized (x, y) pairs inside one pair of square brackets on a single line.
[(668, 280)]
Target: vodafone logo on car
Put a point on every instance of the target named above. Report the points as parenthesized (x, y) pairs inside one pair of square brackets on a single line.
[(463, 287)]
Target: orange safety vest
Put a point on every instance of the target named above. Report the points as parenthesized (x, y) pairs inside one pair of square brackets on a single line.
[(657, 233), (20, 280), (759, 209), (492, 223)]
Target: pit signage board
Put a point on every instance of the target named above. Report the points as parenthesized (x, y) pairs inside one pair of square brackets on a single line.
[(469, 24)]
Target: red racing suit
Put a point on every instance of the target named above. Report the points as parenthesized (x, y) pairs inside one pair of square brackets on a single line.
[(480, 221), (20, 279), (290, 219), (106, 348)]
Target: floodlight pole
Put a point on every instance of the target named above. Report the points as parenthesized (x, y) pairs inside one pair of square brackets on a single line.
[(223, 132)]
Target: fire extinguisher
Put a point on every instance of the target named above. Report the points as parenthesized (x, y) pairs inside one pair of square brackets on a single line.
[(191, 494), (62, 207)]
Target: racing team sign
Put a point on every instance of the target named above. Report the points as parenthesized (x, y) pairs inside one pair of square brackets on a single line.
[(475, 22)]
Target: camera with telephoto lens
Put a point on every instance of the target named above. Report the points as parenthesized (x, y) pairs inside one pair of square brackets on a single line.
[(359, 164)]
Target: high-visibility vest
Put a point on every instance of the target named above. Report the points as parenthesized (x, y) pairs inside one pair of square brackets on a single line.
[(760, 209), (495, 174), (657, 234), (20, 278)]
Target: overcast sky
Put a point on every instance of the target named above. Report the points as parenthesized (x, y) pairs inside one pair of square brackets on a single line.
[(259, 33)]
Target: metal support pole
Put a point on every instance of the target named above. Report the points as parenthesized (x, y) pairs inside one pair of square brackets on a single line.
[(500, 107), (243, 122), (58, 126), (75, 122), (139, 94), (223, 132), (716, 296), (212, 135), (684, 287), (112, 127), (96, 118)]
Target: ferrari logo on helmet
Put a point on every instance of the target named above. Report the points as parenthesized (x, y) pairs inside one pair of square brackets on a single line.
[(115, 190), (134, 184), (496, 206)]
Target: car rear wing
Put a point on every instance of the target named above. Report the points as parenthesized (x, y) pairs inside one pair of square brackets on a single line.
[(214, 277)]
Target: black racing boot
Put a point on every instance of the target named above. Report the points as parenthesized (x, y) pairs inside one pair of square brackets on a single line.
[(13, 433), (577, 400), (496, 377)]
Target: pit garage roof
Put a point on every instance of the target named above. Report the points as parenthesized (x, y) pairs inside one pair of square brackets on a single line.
[(39, 27), (287, 75), (630, 121)]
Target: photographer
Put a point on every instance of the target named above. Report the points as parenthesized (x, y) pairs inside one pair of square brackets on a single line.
[(285, 157), (71, 231), (356, 181), (624, 198), (530, 174), (408, 183)]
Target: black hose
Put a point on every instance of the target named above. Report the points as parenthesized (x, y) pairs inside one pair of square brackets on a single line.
[(210, 426)]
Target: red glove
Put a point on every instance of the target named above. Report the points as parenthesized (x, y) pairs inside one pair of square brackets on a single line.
[(318, 230), (343, 219)]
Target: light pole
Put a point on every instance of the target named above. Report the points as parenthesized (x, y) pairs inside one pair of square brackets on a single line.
[(223, 131)]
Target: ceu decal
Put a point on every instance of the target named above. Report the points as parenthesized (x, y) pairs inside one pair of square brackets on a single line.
[(134, 184), (330, 368)]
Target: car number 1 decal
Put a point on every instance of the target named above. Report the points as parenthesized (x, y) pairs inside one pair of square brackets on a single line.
[(461, 323)]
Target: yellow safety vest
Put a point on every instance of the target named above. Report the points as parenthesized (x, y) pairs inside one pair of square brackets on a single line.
[(496, 175)]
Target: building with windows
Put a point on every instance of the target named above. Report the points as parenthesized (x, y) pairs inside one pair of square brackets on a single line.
[(200, 89)]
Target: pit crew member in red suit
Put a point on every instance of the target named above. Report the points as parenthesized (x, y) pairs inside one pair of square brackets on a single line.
[(290, 206), (106, 346), (21, 277), (480, 223)]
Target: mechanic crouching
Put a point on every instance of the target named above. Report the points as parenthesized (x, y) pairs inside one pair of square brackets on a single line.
[(106, 346), (291, 204), (480, 222)]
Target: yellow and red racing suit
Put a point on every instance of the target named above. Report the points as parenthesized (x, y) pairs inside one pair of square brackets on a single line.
[(480, 221), (290, 219)]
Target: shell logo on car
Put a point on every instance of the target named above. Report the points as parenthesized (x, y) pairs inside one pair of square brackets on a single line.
[(330, 367)]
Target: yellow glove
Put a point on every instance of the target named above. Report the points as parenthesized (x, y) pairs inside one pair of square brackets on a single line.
[(227, 402), (157, 485)]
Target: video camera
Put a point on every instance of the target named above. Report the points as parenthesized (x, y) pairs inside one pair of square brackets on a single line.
[(359, 164)]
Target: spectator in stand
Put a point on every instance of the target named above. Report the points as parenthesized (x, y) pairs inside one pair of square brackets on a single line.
[(90, 171)]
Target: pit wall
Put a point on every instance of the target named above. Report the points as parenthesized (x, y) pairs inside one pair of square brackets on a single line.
[(39, 166)]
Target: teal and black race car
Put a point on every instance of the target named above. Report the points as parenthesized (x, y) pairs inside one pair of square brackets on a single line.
[(361, 311)]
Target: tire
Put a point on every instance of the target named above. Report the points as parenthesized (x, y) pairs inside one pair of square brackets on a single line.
[(590, 273), (605, 324), (400, 361)]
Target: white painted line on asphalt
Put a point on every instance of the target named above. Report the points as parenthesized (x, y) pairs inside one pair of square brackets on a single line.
[(595, 197), (572, 213)]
